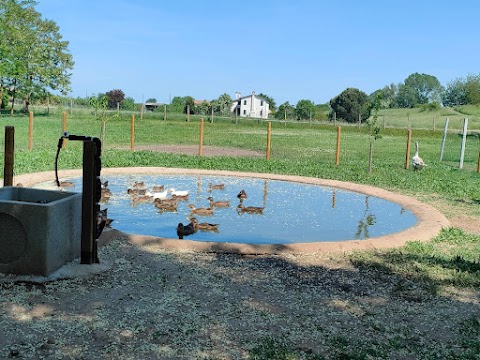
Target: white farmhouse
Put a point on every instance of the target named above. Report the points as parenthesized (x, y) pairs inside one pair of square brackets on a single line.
[(250, 106)]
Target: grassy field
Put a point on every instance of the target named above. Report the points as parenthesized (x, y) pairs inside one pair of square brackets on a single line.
[(439, 270)]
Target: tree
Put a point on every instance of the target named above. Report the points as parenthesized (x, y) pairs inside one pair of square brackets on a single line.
[(472, 89), (350, 105), (373, 129), (387, 95), (177, 105), (189, 102), (34, 57), (304, 110), (151, 100), (455, 93), (419, 89), (114, 97), (128, 103), (224, 104), (285, 111)]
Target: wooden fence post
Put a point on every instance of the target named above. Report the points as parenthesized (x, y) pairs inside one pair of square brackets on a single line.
[(200, 148), (64, 128), (9, 156), (269, 138), (337, 155), (30, 131), (444, 138), (407, 155), (132, 131), (478, 162), (464, 142)]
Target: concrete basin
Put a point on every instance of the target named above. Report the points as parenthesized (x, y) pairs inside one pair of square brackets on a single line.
[(40, 230)]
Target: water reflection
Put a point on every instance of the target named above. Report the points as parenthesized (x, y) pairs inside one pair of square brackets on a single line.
[(365, 222), (291, 212)]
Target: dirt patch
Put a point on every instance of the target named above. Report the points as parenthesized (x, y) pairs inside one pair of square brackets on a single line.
[(470, 224), (156, 303)]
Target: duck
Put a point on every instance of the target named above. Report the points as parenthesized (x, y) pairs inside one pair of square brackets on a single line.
[(250, 209), (185, 230), (102, 222), (203, 226), (242, 195), (158, 188), (223, 204), (137, 199), (417, 161), (178, 193), (166, 205), (165, 201), (157, 195), (138, 184), (180, 197), (216, 186), (136, 191), (200, 211), (105, 191)]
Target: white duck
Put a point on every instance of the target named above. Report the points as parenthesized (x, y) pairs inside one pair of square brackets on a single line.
[(157, 195), (417, 161), (178, 192)]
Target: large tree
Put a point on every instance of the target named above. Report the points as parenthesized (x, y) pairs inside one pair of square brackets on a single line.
[(115, 97), (304, 110), (419, 89), (351, 105), (34, 59)]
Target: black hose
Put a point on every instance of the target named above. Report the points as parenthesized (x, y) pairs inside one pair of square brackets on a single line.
[(59, 147)]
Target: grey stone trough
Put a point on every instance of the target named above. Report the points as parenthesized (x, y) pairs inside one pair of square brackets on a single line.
[(40, 230)]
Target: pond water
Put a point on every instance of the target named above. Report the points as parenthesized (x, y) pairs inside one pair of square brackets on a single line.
[(294, 212)]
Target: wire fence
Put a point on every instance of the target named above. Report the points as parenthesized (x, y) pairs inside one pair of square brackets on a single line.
[(246, 137)]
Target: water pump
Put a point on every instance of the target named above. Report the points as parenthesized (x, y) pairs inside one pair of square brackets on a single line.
[(91, 194)]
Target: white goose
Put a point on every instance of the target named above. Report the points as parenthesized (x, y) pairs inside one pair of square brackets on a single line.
[(417, 161)]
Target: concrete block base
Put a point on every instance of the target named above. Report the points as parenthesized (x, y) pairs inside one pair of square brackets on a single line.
[(40, 230)]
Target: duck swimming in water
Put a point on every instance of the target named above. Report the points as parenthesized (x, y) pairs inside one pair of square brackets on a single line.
[(185, 230)]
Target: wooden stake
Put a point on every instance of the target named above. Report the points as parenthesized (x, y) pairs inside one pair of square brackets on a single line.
[(30, 131), (200, 149), (269, 138), (407, 155), (132, 137), (464, 142), (444, 138), (337, 155), (9, 156)]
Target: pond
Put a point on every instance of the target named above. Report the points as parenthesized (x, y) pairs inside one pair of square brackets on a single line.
[(293, 212)]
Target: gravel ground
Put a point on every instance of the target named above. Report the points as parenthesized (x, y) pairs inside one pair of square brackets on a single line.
[(155, 303)]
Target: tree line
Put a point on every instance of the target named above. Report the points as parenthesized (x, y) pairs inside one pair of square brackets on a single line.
[(34, 58)]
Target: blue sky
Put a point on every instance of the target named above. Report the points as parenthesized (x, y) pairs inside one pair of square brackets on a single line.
[(288, 50)]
